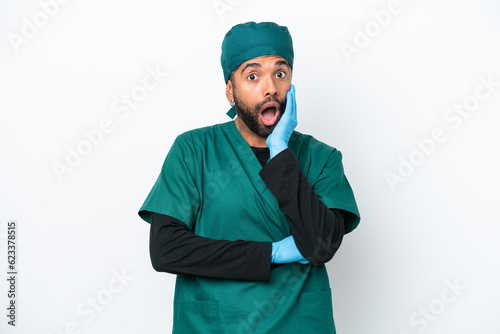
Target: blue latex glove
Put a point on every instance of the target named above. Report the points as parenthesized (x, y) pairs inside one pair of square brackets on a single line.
[(285, 251), (277, 141)]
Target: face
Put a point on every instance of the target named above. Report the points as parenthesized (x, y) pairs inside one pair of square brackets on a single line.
[(258, 88)]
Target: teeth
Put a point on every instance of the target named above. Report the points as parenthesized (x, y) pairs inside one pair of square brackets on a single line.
[(268, 107)]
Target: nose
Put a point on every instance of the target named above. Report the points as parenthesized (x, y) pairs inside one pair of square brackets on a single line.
[(269, 87)]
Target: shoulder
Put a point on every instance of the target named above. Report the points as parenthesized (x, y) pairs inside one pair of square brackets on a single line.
[(304, 145), (187, 145), (200, 135), (192, 141)]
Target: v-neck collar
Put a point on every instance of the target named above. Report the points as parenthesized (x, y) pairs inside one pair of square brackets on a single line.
[(248, 160)]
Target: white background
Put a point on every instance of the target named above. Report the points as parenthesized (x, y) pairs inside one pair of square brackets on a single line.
[(77, 232)]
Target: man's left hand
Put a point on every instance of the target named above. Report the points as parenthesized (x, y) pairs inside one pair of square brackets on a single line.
[(277, 141)]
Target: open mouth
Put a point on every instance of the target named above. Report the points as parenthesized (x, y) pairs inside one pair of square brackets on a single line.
[(269, 113)]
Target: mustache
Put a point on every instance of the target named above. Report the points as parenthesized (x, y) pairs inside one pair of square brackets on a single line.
[(270, 99)]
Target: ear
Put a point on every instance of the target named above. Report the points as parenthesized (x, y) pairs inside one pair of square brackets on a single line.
[(229, 91)]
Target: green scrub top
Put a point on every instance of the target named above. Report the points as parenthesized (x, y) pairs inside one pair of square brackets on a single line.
[(210, 181)]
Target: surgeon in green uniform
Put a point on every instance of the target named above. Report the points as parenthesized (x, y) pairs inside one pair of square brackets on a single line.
[(246, 213)]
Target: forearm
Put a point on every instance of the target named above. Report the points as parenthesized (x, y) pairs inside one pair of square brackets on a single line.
[(317, 230), (177, 250)]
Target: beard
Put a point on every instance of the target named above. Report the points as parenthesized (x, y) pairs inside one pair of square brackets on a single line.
[(251, 116)]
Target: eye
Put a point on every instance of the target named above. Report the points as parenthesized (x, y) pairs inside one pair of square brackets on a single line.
[(252, 77), (281, 74)]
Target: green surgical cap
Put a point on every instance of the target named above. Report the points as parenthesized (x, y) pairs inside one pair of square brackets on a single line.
[(250, 40)]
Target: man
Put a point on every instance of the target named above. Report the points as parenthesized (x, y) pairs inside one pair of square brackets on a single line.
[(247, 212)]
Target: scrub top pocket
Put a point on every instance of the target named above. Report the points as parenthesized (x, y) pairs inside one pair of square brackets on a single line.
[(195, 317), (316, 312)]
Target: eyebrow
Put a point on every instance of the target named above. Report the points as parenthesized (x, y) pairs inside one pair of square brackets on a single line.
[(282, 62), (278, 63), (250, 65)]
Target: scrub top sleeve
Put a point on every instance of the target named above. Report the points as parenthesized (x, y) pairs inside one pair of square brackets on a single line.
[(175, 192), (334, 190)]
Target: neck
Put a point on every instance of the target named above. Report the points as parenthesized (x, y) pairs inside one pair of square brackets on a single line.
[(251, 137)]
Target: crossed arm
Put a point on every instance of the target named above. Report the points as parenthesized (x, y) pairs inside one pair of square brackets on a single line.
[(317, 230)]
